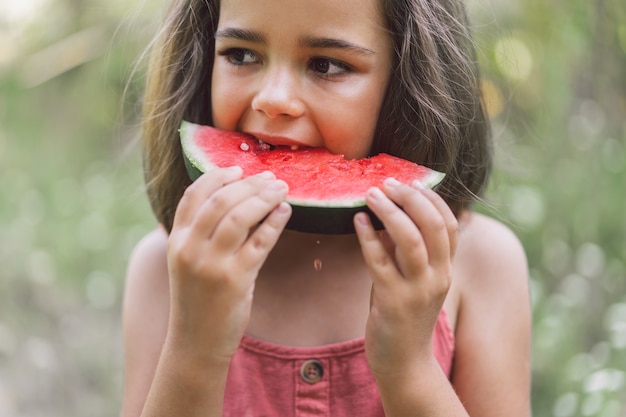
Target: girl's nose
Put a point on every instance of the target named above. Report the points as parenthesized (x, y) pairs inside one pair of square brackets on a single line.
[(278, 95)]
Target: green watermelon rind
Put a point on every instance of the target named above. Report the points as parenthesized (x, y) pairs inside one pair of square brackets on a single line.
[(309, 216), (195, 165)]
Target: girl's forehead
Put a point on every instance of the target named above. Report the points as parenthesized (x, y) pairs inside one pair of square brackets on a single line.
[(305, 15)]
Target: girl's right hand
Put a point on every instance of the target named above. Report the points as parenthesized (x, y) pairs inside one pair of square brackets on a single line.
[(224, 228)]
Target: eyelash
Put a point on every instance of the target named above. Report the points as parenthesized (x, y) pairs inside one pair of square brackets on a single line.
[(237, 57), (343, 68), (231, 55)]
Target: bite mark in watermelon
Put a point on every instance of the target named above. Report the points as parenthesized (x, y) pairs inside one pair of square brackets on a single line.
[(325, 190)]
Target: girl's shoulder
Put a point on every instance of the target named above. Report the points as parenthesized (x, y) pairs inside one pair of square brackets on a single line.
[(489, 244), (147, 278), (489, 267), (150, 253), (491, 261)]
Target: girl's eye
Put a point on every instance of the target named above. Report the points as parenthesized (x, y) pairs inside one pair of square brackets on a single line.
[(240, 56), (327, 67)]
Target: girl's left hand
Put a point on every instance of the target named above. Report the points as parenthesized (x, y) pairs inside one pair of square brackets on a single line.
[(411, 267)]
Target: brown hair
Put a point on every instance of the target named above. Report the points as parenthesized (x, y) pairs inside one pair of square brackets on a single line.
[(432, 112)]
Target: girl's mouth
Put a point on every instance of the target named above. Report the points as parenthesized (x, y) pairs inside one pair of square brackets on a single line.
[(269, 146), (269, 142)]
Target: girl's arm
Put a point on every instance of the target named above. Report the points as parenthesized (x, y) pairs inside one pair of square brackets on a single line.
[(144, 318), (145, 327), (493, 333), (412, 266), (223, 230)]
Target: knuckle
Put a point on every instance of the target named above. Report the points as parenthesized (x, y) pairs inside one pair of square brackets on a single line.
[(453, 226), (415, 242), (180, 250), (219, 201), (234, 220), (224, 278), (272, 224), (259, 242), (188, 192), (445, 281), (437, 224), (381, 260)]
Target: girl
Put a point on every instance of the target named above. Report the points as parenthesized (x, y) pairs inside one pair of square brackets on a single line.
[(224, 313)]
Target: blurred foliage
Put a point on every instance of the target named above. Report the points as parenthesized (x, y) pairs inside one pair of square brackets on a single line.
[(72, 204), (556, 85)]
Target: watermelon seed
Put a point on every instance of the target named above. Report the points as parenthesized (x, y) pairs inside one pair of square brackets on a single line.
[(317, 264)]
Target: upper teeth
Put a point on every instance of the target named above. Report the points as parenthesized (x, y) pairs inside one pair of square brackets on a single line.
[(266, 146)]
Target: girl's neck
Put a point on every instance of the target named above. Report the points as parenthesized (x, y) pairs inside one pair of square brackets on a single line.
[(311, 254), (316, 282)]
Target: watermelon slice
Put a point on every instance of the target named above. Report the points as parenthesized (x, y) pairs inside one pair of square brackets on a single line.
[(325, 190)]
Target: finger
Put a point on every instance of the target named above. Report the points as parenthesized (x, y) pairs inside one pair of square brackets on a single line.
[(450, 220), (197, 192), (427, 217), (410, 248), (262, 240), (233, 229), (387, 242), (375, 253), (218, 204)]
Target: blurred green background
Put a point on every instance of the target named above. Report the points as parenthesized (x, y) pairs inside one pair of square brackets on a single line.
[(72, 203)]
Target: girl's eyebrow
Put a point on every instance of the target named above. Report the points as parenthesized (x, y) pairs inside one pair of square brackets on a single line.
[(332, 43), (306, 41), (240, 34)]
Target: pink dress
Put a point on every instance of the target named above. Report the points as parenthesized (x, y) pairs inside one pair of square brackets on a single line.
[(268, 380)]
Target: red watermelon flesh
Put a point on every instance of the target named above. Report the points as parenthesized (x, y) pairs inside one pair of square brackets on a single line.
[(316, 178)]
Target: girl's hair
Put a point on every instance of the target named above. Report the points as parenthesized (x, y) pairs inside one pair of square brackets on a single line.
[(432, 111)]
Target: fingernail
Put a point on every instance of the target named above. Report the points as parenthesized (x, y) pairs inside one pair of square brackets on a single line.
[(267, 175), (278, 185), (392, 182), (283, 208), (417, 184), (235, 169), (362, 219), (376, 193)]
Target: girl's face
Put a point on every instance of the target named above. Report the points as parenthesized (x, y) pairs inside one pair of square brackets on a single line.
[(301, 72)]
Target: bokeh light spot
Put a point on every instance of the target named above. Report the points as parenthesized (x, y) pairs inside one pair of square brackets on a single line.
[(565, 405), (615, 323), (590, 260), (605, 380), (526, 206), (494, 102), (513, 58)]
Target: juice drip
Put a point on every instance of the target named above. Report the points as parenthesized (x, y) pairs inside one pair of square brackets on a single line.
[(317, 264)]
